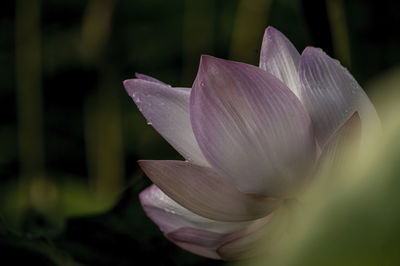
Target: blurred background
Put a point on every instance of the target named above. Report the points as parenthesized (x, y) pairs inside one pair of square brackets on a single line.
[(70, 136)]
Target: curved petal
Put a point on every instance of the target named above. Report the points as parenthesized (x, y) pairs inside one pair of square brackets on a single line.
[(280, 58), (331, 95), (202, 191), (251, 128), (167, 109), (170, 216)]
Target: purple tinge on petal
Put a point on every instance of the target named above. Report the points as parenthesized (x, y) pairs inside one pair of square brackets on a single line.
[(170, 216), (280, 58), (331, 95), (167, 110), (148, 78), (203, 191), (251, 128)]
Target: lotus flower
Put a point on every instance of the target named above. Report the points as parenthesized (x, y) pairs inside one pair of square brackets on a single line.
[(251, 138)]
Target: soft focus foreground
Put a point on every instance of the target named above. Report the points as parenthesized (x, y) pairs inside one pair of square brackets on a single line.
[(352, 215)]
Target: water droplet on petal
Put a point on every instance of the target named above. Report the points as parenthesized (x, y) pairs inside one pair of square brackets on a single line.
[(149, 123)]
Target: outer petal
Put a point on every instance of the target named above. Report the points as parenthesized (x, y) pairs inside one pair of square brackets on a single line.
[(251, 128), (170, 216), (280, 58), (186, 229), (331, 95), (204, 192), (167, 109)]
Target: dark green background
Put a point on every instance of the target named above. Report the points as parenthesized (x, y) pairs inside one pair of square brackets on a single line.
[(72, 198)]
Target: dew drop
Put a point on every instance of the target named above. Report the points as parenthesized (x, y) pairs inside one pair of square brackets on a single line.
[(149, 123), (202, 84), (169, 211)]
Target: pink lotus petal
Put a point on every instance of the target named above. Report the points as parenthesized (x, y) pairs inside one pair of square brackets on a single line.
[(167, 109), (170, 216), (251, 128), (202, 191), (331, 95), (280, 58)]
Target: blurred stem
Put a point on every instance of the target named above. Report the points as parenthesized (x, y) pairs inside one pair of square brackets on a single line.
[(96, 27), (103, 132), (247, 34), (198, 30), (29, 105), (28, 85), (340, 37), (103, 136)]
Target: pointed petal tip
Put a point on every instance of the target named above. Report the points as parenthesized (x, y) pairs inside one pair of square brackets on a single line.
[(270, 30), (206, 57), (209, 65), (145, 165), (207, 60), (128, 86), (143, 195), (310, 54), (141, 162), (311, 51), (273, 34)]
